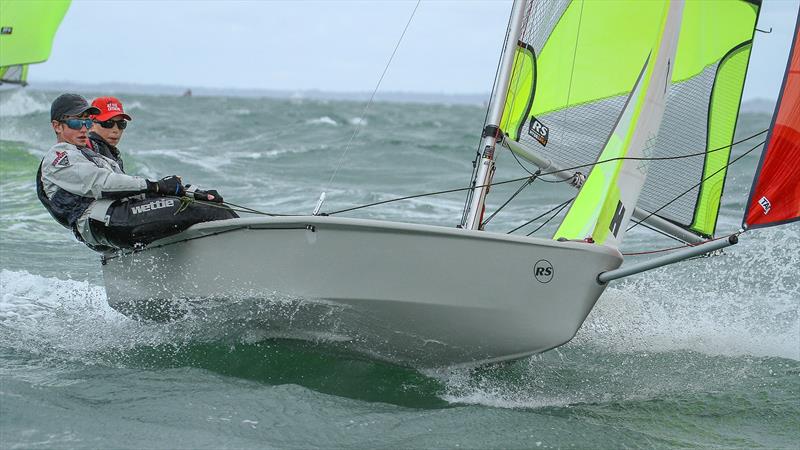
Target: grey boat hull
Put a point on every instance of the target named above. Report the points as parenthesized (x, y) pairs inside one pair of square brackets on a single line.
[(401, 292)]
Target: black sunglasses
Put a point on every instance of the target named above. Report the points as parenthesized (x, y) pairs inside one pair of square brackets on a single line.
[(121, 124), (76, 124)]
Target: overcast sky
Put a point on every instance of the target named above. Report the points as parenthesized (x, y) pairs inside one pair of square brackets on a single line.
[(450, 47)]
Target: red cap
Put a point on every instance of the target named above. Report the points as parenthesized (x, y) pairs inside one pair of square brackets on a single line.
[(109, 107)]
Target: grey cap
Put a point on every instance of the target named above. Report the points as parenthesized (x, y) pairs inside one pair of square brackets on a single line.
[(70, 105)]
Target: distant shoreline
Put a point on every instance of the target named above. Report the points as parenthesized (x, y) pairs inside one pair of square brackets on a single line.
[(757, 105), (311, 94)]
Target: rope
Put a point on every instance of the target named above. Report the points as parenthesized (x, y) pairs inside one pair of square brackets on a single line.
[(563, 205), (696, 185), (656, 158), (185, 200), (251, 210), (664, 234), (541, 215), (524, 185), (574, 57), (371, 98), (688, 244), (525, 168), (498, 132), (514, 180), (538, 176), (474, 174)]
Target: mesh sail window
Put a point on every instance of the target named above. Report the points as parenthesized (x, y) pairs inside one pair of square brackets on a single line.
[(14, 74), (576, 64)]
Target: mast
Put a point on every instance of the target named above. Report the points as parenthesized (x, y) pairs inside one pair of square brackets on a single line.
[(473, 215)]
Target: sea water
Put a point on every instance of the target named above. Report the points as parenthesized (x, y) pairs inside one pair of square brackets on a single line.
[(701, 354)]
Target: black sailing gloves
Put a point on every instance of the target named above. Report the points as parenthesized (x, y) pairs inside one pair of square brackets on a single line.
[(170, 185), (210, 195)]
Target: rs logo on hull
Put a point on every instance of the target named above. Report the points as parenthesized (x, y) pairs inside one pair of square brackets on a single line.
[(543, 271)]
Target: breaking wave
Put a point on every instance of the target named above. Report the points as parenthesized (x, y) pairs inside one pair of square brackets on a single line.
[(19, 102)]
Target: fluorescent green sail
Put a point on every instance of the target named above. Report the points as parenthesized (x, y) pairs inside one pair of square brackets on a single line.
[(723, 112), (575, 72), (27, 29), (597, 202), (605, 203), (520, 91)]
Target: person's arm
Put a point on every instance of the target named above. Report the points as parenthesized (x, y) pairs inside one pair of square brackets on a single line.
[(68, 169)]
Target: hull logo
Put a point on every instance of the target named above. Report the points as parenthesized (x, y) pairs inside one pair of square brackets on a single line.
[(543, 271)]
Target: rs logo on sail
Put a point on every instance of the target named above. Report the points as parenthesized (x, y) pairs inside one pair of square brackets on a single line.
[(538, 131), (158, 204)]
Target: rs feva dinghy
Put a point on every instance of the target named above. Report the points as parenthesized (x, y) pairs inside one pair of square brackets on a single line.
[(612, 96)]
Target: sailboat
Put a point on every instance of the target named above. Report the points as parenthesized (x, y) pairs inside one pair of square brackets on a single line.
[(27, 30), (610, 96)]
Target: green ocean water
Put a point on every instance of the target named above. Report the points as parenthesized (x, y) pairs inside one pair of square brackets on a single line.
[(702, 354)]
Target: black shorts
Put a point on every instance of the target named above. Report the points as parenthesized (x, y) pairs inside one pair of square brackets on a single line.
[(136, 223)]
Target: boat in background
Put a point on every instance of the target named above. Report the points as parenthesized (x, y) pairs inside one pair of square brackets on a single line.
[(581, 85), (27, 30)]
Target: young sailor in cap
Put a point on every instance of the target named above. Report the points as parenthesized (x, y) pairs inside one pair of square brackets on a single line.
[(90, 194), (108, 127)]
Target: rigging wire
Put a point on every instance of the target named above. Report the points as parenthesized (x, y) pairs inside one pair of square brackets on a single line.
[(525, 168), (563, 205), (498, 137), (474, 174), (527, 183), (687, 244), (232, 206), (656, 158), (574, 58), (371, 98), (697, 184), (497, 183), (664, 234), (542, 215), (248, 209)]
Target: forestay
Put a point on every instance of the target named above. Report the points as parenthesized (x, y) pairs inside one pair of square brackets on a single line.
[(577, 63)]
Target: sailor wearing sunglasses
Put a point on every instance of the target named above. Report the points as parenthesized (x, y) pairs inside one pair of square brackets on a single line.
[(91, 195), (108, 127)]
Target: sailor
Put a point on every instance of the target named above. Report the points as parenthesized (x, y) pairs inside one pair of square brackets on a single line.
[(107, 130), (106, 208), (108, 127)]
